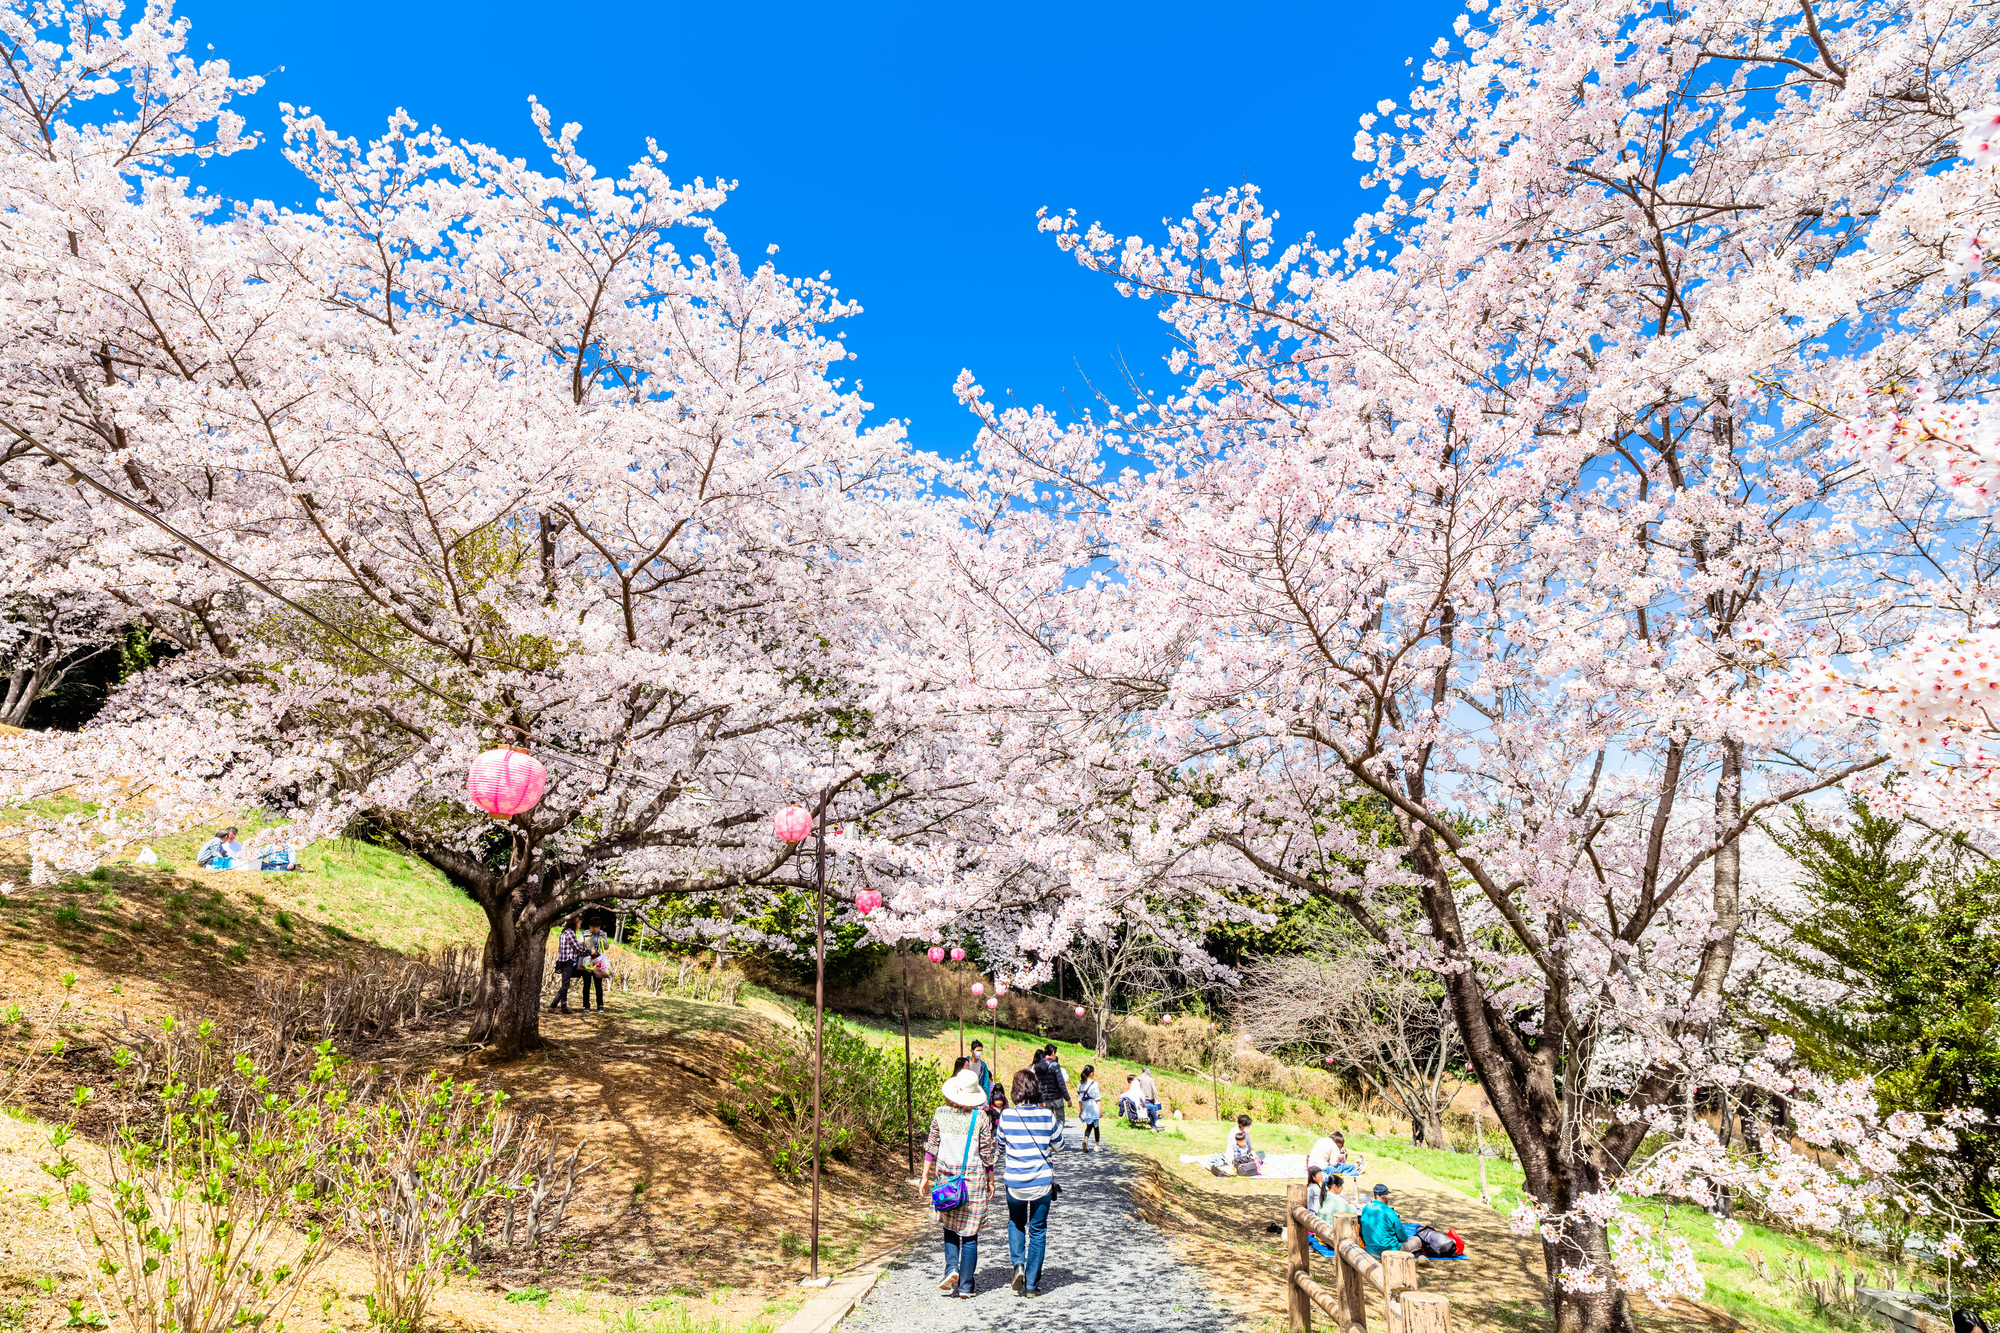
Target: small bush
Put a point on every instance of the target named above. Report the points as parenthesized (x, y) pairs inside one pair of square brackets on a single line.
[(200, 1210), (285, 921), (861, 1094), (68, 918)]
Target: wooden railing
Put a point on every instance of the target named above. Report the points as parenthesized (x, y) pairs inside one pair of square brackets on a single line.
[(1391, 1276)]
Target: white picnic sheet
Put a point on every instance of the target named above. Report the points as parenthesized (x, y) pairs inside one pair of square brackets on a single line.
[(1277, 1165)]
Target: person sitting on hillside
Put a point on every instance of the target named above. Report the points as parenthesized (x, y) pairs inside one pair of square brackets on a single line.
[(1341, 1164), (1132, 1104), (1382, 1227), (231, 848), (211, 850), (278, 854), (1334, 1200), (1323, 1154)]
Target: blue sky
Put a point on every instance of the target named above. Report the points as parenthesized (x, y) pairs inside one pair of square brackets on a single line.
[(902, 147)]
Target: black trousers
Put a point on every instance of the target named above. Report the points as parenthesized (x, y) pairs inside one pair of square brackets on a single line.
[(565, 971), (592, 979)]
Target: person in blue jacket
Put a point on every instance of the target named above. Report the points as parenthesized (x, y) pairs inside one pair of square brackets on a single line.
[(1382, 1226)]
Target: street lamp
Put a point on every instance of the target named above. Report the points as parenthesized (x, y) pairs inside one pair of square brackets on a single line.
[(792, 825)]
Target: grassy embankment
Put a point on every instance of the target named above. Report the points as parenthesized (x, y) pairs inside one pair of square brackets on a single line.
[(679, 1227)]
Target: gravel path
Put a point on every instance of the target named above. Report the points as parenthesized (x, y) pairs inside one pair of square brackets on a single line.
[(1106, 1269)]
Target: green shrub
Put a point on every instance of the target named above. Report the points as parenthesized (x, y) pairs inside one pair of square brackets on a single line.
[(68, 918), (861, 1094), (284, 921), (201, 1210)]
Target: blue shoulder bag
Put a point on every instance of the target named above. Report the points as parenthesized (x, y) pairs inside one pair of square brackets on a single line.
[(952, 1191)]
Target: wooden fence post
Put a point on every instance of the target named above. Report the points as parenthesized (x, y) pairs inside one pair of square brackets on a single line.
[(1399, 1275), (1298, 1261), (1426, 1312), (1353, 1293)]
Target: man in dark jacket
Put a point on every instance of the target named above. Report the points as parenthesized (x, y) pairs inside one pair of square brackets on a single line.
[(1055, 1088)]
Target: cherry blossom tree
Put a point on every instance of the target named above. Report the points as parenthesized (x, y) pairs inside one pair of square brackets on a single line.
[(469, 453), (1490, 511)]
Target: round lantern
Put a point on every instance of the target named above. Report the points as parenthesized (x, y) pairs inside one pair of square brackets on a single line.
[(793, 824), (1329, 1059), (992, 1003), (958, 955), (505, 782), (867, 901), (1079, 1011), (935, 954), (979, 988)]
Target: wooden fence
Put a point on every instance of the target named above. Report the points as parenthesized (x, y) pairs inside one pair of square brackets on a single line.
[(1392, 1277)]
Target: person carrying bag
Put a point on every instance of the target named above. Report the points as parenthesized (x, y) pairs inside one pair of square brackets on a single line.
[(962, 1143)]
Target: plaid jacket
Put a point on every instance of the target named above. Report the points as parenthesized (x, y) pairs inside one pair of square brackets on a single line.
[(568, 950)]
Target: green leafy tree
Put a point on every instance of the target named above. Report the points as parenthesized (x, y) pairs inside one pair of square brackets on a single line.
[(1898, 935)]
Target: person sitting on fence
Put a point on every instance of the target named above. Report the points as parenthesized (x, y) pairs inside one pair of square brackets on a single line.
[(1382, 1227)]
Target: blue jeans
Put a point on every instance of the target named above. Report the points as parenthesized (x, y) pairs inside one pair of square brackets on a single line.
[(961, 1253), (1027, 1235)]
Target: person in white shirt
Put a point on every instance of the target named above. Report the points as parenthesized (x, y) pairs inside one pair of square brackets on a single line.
[(1323, 1154)]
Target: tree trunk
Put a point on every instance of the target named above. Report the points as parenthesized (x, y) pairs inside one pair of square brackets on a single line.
[(509, 1020)]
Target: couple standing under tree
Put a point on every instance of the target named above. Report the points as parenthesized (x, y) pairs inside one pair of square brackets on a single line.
[(583, 955), (964, 1149)]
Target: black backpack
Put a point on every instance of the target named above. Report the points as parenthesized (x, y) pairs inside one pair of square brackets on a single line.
[(1439, 1244)]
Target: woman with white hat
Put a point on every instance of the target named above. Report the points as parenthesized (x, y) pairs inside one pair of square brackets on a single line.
[(962, 1147)]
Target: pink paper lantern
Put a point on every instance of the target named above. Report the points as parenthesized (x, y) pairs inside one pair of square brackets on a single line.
[(958, 955), (1079, 1011), (506, 781), (979, 988), (935, 954), (992, 1003), (793, 824), (867, 901)]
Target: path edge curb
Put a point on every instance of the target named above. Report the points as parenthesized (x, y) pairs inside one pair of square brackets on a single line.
[(824, 1311)]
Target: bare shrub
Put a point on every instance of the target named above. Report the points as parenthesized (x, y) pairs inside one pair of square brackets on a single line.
[(1393, 1031), (424, 1166), (368, 1000)]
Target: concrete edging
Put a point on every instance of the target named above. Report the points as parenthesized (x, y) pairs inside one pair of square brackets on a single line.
[(827, 1309)]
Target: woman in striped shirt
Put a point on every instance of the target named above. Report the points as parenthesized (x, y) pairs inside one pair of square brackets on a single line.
[(1027, 1134)]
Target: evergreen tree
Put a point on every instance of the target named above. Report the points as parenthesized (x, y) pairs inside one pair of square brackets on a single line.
[(1900, 932)]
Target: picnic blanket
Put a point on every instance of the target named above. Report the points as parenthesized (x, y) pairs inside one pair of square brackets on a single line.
[(1276, 1166), (1409, 1232)]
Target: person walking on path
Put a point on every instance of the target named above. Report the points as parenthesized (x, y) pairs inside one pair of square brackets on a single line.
[(568, 950), (1382, 1226), (977, 1063), (962, 1148), (1055, 1088), (596, 961), (1027, 1132), (1090, 1109)]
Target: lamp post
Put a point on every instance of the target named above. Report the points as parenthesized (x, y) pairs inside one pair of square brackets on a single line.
[(792, 825)]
